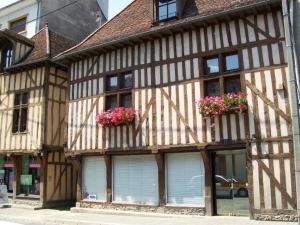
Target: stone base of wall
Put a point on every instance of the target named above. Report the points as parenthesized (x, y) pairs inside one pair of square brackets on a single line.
[(142, 208), (276, 215), (27, 203)]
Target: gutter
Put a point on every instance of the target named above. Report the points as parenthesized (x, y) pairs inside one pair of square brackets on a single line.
[(294, 92), (180, 23)]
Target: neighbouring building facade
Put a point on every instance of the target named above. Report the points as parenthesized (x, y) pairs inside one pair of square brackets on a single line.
[(33, 94), (66, 18), (159, 58)]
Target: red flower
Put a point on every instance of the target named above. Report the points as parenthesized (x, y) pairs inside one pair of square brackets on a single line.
[(116, 117)]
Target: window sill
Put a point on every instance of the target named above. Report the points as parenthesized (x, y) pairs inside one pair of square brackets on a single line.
[(20, 133), (157, 22)]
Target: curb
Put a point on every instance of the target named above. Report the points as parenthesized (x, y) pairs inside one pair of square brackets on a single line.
[(130, 213)]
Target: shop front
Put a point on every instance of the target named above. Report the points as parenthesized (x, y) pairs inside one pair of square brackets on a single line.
[(139, 182), (30, 177), (7, 172)]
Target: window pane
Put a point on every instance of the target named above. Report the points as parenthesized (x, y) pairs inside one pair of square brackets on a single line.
[(232, 85), (126, 100), (24, 98), (127, 81), (30, 176), (111, 102), (15, 127), (17, 99), (19, 25), (23, 125), (172, 10), (7, 57), (212, 88), (112, 83), (231, 62), (163, 12), (212, 66)]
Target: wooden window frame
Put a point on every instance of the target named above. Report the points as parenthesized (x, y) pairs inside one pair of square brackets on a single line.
[(18, 19), (119, 91), (20, 107), (157, 19), (223, 74)]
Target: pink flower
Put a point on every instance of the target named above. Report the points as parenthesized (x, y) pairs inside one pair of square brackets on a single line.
[(210, 106), (116, 117)]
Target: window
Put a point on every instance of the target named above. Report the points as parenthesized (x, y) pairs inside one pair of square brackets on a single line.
[(231, 62), (30, 176), (118, 91), (135, 180), (18, 25), (221, 74), (94, 178), (212, 88), (6, 57), (185, 179), (7, 172), (212, 65), (166, 9), (20, 113), (232, 84)]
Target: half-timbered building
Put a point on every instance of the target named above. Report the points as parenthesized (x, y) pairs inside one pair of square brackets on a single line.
[(32, 117), (160, 57)]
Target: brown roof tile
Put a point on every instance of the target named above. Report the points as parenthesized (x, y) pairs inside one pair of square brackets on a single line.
[(47, 44), (138, 18)]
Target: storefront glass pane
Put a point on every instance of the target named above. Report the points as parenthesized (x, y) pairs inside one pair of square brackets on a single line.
[(7, 173), (231, 183), (30, 176)]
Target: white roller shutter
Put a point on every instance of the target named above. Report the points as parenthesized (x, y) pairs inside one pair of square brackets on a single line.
[(185, 179), (94, 178), (135, 180)]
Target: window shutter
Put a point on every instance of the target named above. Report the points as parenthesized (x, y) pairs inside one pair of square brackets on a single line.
[(135, 180), (94, 179), (185, 179)]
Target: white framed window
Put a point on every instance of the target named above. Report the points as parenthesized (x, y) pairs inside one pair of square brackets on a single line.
[(135, 180), (94, 178), (185, 179)]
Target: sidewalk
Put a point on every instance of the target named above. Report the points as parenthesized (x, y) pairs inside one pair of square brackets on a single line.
[(60, 217)]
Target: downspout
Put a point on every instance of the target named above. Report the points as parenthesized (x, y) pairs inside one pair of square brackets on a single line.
[(37, 24), (294, 97)]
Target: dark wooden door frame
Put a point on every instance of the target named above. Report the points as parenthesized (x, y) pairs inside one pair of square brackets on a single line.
[(213, 160)]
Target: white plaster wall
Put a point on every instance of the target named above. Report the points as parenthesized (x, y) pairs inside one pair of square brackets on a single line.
[(30, 11)]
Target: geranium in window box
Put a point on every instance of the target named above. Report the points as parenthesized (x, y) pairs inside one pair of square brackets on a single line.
[(211, 106), (116, 117), (236, 102), (217, 106)]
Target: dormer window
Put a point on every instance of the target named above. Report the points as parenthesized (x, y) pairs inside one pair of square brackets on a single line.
[(5, 58), (166, 9)]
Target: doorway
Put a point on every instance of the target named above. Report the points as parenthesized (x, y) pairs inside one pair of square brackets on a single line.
[(230, 183)]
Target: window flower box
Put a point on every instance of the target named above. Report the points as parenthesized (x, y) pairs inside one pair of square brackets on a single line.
[(116, 117), (217, 106)]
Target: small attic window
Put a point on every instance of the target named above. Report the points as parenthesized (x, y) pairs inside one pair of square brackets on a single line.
[(6, 58), (166, 9)]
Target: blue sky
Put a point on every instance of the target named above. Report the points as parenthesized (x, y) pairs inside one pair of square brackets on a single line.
[(115, 6)]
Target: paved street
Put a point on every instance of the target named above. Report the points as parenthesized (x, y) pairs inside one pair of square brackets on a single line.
[(51, 217)]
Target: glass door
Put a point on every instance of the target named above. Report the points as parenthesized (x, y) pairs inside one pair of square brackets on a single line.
[(231, 183)]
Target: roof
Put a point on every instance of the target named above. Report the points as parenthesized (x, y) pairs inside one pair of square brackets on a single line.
[(137, 18), (46, 45), (10, 34)]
